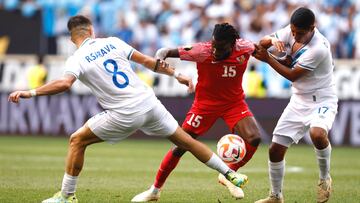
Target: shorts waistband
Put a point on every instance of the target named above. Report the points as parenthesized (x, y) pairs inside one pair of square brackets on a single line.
[(315, 96)]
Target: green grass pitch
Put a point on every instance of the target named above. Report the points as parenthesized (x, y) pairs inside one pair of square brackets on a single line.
[(31, 169)]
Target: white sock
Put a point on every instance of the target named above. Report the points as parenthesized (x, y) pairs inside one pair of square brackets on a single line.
[(69, 184), (216, 163), (154, 189), (323, 158), (276, 174)]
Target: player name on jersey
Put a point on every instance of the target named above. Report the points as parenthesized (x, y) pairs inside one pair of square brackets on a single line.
[(100, 53)]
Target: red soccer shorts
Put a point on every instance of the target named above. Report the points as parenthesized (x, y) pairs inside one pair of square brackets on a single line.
[(199, 119)]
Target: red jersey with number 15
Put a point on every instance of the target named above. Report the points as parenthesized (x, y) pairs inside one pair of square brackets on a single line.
[(219, 82)]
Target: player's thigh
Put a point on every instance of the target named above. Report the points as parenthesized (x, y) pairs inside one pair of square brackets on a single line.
[(235, 113), (182, 140), (84, 136), (198, 121), (113, 127), (240, 119), (291, 126), (159, 122), (186, 142), (247, 128), (323, 116)]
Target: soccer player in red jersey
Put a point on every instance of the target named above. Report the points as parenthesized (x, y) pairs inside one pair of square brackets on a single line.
[(221, 64)]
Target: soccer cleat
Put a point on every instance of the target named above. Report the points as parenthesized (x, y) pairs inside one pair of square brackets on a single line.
[(59, 198), (324, 190), (147, 196), (272, 199), (234, 191), (237, 179)]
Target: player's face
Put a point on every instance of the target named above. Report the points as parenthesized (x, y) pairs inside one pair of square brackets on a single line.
[(301, 35), (221, 49)]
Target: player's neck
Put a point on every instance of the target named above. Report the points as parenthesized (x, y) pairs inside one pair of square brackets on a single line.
[(81, 40), (299, 45)]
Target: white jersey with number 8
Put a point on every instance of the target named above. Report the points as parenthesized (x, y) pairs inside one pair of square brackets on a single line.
[(103, 65)]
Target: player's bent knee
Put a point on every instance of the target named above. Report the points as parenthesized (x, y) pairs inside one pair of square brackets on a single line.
[(277, 152), (318, 133), (318, 137), (182, 140), (177, 151), (74, 141), (253, 138), (77, 141), (255, 141)]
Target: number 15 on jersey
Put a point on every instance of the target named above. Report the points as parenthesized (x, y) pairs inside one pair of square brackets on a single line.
[(229, 72)]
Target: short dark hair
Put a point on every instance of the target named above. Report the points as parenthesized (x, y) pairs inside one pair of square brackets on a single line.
[(302, 18), (225, 32), (78, 21)]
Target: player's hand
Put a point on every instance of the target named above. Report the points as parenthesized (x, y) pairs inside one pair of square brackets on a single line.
[(279, 45), (261, 53), (163, 67), (162, 53), (287, 61), (15, 96), (186, 81)]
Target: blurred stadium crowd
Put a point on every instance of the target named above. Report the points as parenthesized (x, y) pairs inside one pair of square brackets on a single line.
[(150, 24)]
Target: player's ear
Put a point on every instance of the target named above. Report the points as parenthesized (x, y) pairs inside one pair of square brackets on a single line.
[(312, 28), (72, 38)]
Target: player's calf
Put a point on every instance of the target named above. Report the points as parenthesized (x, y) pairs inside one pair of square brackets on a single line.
[(250, 151)]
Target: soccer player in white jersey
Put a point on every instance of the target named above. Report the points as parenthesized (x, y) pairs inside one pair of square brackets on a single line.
[(313, 105), (103, 64)]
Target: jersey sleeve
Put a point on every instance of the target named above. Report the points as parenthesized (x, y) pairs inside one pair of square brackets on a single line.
[(72, 67), (197, 52), (311, 58), (245, 46), (125, 49), (283, 34)]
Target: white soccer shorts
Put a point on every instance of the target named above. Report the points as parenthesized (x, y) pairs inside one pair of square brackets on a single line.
[(302, 113), (113, 127)]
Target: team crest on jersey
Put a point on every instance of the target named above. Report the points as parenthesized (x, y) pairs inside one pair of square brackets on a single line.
[(188, 47), (241, 59)]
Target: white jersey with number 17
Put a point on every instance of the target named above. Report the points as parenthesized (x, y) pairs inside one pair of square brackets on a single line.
[(103, 65)]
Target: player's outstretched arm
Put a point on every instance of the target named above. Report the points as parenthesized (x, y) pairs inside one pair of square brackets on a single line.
[(54, 87), (164, 53), (160, 66), (153, 64)]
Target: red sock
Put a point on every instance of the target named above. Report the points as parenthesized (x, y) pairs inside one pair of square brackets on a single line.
[(167, 165), (250, 150)]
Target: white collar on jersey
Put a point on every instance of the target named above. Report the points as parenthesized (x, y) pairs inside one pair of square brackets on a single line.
[(87, 39)]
